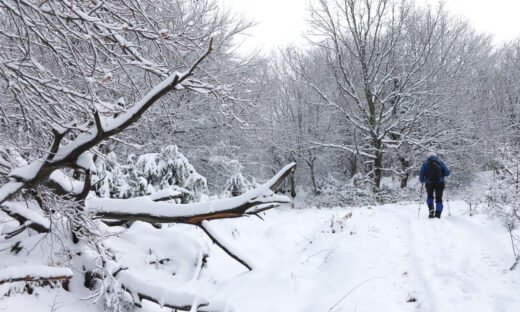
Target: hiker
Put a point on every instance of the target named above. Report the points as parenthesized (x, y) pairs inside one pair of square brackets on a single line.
[(432, 175)]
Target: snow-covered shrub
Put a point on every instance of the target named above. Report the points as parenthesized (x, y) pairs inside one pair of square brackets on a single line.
[(359, 191), (503, 194), (149, 173), (237, 185)]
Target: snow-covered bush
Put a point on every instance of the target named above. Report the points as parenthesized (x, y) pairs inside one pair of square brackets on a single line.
[(237, 185), (359, 191), (503, 194), (231, 169), (147, 174)]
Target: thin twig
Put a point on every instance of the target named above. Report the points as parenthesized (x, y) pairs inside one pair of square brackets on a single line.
[(352, 290)]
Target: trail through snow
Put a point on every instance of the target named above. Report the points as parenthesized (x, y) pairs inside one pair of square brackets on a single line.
[(379, 259), (371, 259)]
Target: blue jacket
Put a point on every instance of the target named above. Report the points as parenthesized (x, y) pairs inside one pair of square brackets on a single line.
[(423, 179)]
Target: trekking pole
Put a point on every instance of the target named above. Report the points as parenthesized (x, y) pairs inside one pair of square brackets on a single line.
[(448, 200), (420, 201)]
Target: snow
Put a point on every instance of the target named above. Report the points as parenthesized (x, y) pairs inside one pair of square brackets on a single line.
[(112, 124), (9, 189), (46, 300), (165, 194), (351, 259), (28, 172), (142, 248), (35, 271), (374, 258), (86, 161), (310, 259), (24, 209), (343, 259), (228, 243), (83, 138), (165, 296), (145, 205), (68, 184), (4, 163), (340, 259)]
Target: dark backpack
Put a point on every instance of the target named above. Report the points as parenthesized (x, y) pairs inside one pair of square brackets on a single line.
[(434, 170)]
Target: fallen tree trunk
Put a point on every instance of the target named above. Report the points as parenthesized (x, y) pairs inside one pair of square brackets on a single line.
[(34, 273), (26, 217), (145, 209)]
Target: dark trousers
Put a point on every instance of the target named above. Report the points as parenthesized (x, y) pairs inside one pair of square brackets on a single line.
[(436, 188)]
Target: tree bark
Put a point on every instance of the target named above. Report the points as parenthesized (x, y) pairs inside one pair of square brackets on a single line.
[(378, 162), (405, 174)]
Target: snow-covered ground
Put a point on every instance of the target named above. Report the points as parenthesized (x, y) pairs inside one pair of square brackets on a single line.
[(380, 258), (375, 260)]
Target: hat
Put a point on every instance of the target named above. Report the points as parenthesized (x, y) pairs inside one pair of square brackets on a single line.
[(431, 154)]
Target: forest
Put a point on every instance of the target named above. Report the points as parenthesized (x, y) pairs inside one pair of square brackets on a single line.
[(146, 164)]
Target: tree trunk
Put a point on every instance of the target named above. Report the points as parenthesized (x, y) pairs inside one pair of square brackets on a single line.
[(378, 162), (377, 172), (313, 176), (405, 174), (293, 186)]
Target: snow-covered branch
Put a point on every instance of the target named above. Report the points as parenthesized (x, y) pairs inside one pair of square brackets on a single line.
[(26, 217), (145, 209), (9, 189), (34, 273), (69, 154), (205, 226)]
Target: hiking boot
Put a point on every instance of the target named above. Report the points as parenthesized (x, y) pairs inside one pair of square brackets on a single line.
[(432, 212), (437, 214)]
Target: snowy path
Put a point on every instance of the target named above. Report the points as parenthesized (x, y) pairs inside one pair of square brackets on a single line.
[(368, 259), (377, 260)]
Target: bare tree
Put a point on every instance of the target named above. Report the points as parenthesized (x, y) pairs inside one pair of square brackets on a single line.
[(387, 61)]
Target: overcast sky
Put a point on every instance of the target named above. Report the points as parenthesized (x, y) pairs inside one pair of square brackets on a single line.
[(282, 22)]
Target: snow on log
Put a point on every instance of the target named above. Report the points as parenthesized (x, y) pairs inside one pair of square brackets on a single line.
[(9, 189), (64, 184), (34, 273), (166, 194), (145, 209), (25, 216), (141, 289), (28, 172)]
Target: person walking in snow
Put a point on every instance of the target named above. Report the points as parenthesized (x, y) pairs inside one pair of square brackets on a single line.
[(432, 175)]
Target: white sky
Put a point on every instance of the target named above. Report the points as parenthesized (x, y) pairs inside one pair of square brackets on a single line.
[(282, 22)]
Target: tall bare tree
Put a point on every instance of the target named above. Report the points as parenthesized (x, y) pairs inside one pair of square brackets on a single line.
[(387, 61)]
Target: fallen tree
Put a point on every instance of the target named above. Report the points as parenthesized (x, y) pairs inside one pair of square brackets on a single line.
[(147, 210), (34, 273)]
